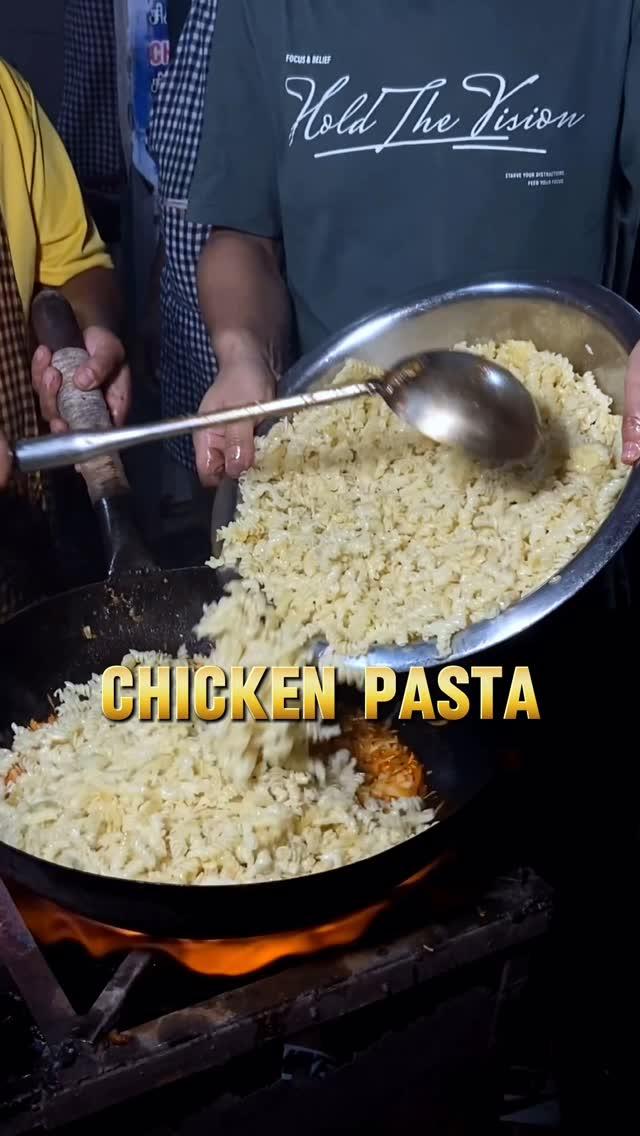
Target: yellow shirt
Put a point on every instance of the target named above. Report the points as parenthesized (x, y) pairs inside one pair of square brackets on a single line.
[(50, 236)]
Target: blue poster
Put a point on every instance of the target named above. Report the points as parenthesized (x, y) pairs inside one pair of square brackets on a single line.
[(149, 55)]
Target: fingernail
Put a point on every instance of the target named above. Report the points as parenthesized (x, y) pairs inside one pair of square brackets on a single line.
[(232, 459), (41, 354), (84, 378), (631, 452), (50, 381)]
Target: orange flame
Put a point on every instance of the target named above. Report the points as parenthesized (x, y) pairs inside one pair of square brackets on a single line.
[(215, 957)]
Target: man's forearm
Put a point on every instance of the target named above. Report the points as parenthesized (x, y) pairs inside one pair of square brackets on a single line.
[(95, 299), (244, 300)]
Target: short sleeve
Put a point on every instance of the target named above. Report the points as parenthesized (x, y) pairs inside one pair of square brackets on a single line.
[(68, 242), (234, 184)]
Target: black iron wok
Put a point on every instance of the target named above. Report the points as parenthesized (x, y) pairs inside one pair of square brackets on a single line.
[(145, 608)]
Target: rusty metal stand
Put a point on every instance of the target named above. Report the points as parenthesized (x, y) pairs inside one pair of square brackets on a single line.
[(85, 1069)]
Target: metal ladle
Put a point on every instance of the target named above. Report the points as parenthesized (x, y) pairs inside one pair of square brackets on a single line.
[(453, 397)]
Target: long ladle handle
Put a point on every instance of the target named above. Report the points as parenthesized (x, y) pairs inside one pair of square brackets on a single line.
[(90, 444)]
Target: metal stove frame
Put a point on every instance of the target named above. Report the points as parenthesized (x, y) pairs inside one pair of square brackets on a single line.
[(87, 1065)]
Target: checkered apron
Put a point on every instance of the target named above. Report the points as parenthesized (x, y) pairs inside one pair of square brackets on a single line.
[(89, 118), (187, 364), (24, 531)]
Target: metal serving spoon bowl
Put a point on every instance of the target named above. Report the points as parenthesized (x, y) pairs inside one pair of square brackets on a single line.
[(453, 397), (463, 400)]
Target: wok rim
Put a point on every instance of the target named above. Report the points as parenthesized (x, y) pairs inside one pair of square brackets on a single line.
[(401, 862), (420, 849), (217, 889)]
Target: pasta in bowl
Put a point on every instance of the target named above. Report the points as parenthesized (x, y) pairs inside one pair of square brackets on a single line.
[(366, 533)]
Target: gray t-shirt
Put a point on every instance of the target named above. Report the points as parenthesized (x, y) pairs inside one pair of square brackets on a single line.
[(392, 144)]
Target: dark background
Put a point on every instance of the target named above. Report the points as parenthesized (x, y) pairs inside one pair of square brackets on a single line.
[(31, 41)]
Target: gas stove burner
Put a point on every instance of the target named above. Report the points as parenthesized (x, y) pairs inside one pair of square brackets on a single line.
[(85, 1033)]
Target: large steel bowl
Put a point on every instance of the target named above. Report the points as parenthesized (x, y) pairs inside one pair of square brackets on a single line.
[(591, 326)]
